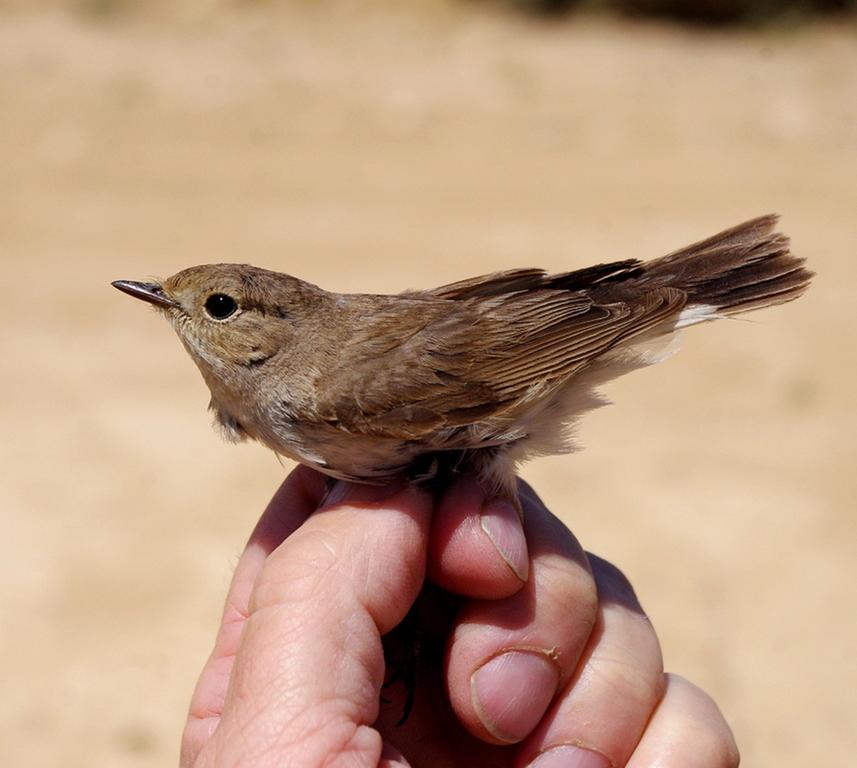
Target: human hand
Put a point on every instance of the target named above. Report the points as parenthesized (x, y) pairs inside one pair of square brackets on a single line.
[(543, 659)]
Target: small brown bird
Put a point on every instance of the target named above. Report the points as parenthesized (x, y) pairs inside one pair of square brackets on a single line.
[(483, 373)]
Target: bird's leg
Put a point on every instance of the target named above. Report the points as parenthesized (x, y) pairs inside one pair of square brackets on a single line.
[(402, 649), (414, 650)]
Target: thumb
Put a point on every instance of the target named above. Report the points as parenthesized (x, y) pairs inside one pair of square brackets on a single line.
[(305, 684)]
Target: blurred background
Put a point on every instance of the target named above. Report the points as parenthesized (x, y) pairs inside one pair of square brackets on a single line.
[(379, 146)]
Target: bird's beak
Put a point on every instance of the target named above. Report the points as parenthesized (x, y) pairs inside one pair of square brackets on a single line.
[(151, 292)]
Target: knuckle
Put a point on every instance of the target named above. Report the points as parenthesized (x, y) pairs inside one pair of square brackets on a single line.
[(722, 751), (566, 602), (567, 584), (709, 731), (296, 572), (628, 675)]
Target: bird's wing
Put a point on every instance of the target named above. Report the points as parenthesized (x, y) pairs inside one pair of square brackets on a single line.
[(481, 350), (464, 362)]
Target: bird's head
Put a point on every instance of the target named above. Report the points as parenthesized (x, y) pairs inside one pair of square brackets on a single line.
[(231, 317)]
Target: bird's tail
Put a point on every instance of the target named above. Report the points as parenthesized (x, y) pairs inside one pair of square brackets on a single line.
[(743, 268)]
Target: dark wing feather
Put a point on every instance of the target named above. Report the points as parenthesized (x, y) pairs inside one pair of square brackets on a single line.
[(514, 280)]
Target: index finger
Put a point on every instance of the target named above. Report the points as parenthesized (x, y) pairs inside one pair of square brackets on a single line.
[(297, 498), (306, 681)]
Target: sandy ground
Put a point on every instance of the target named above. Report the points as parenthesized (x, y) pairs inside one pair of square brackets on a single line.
[(382, 149)]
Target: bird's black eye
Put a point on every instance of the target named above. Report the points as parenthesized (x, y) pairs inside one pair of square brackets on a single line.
[(220, 306)]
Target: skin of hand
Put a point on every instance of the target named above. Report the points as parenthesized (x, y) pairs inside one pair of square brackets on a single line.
[(533, 653)]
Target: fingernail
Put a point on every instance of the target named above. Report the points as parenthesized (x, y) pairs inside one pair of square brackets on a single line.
[(511, 692), (500, 520), (356, 493), (569, 756)]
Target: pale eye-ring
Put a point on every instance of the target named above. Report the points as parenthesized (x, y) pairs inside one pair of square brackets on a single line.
[(220, 306)]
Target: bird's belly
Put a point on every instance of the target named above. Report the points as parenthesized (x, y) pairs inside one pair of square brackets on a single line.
[(342, 454)]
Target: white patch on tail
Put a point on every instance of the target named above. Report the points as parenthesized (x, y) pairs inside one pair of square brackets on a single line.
[(696, 313)]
